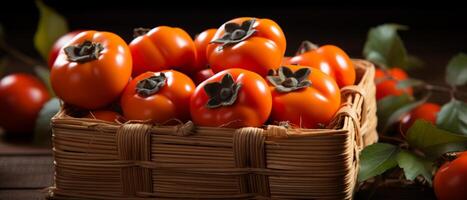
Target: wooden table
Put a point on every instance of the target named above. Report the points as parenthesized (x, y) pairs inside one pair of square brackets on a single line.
[(26, 171)]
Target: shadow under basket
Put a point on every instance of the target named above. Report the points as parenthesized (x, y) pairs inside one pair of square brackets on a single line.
[(101, 160)]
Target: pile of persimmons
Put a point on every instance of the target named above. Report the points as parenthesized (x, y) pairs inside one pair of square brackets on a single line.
[(233, 76)]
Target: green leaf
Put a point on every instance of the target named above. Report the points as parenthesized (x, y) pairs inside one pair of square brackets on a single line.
[(388, 105), (453, 117), (414, 165), (51, 26), (398, 113), (42, 131), (435, 151), (456, 71), (434, 141), (384, 46), (44, 75), (409, 83), (376, 159)]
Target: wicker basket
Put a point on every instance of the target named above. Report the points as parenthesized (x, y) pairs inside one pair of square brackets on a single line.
[(101, 160)]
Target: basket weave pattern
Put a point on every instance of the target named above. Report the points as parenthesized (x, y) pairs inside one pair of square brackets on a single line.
[(100, 160)]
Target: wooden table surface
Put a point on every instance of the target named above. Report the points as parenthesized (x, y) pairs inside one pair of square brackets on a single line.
[(25, 170)]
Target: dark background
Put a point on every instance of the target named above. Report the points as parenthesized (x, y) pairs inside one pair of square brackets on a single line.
[(437, 30)]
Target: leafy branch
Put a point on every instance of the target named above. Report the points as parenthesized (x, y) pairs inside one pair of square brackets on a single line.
[(385, 47), (425, 143)]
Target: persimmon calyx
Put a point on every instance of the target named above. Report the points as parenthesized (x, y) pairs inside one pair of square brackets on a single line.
[(140, 31), (84, 52), (151, 85), (306, 46), (223, 93), (235, 33), (284, 80)]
